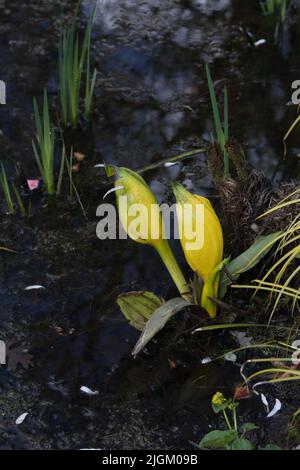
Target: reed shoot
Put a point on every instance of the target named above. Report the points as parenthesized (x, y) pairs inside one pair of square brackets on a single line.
[(43, 146), (221, 125)]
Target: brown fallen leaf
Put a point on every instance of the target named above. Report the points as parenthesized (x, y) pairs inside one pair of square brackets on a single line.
[(172, 364), (79, 156), (17, 356), (242, 392)]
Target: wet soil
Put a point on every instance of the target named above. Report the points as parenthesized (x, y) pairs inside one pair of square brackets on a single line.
[(151, 103)]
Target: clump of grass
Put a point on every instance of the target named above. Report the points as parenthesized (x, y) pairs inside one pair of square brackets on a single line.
[(271, 7), (90, 81), (221, 125), (8, 196), (285, 270), (74, 58), (6, 191), (43, 146)]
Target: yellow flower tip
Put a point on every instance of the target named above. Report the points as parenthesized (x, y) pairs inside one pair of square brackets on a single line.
[(147, 227), (197, 218), (138, 208), (218, 399)]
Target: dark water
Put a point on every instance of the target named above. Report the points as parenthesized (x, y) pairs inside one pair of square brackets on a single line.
[(151, 103)]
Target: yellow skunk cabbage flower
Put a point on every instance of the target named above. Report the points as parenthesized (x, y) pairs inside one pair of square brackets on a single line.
[(141, 219), (205, 256)]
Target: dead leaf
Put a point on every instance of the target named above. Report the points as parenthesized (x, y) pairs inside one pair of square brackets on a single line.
[(17, 356)]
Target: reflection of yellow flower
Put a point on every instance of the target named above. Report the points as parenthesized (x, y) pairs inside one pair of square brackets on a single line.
[(218, 399), (207, 260)]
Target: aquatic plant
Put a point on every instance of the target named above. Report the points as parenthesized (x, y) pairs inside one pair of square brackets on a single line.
[(207, 260), (221, 124), (271, 7), (285, 268), (90, 80), (6, 191), (234, 437), (8, 197), (132, 186), (74, 58), (43, 146), (144, 310), (290, 130)]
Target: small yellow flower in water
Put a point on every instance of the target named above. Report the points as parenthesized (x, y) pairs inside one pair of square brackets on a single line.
[(218, 399)]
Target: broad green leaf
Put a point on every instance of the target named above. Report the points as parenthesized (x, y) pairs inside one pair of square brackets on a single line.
[(137, 307), (218, 408), (158, 320), (247, 260), (241, 444), (271, 447), (218, 439), (247, 427)]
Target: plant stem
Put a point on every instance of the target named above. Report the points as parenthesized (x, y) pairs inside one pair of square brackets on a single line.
[(227, 420), (170, 262), (234, 419)]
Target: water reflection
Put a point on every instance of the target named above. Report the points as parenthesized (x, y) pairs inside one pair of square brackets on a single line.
[(164, 62)]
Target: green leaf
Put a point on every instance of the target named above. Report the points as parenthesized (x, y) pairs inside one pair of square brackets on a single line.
[(137, 307), (218, 439), (218, 408), (247, 260), (110, 170), (271, 447), (247, 427), (158, 320), (241, 444)]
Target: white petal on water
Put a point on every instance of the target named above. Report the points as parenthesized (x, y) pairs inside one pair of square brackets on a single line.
[(276, 408), (92, 448), (88, 391), (99, 165), (112, 190), (21, 418), (206, 360), (35, 287), (168, 164), (242, 337), (231, 357), (265, 401), (260, 42)]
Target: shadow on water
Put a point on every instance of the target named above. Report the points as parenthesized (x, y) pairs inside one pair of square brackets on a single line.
[(151, 102)]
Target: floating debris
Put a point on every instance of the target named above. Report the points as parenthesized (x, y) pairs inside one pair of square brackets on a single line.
[(206, 360), (169, 164), (260, 42), (231, 357), (79, 156), (277, 407), (265, 401), (21, 418), (33, 184), (88, 391), (35, 287)]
